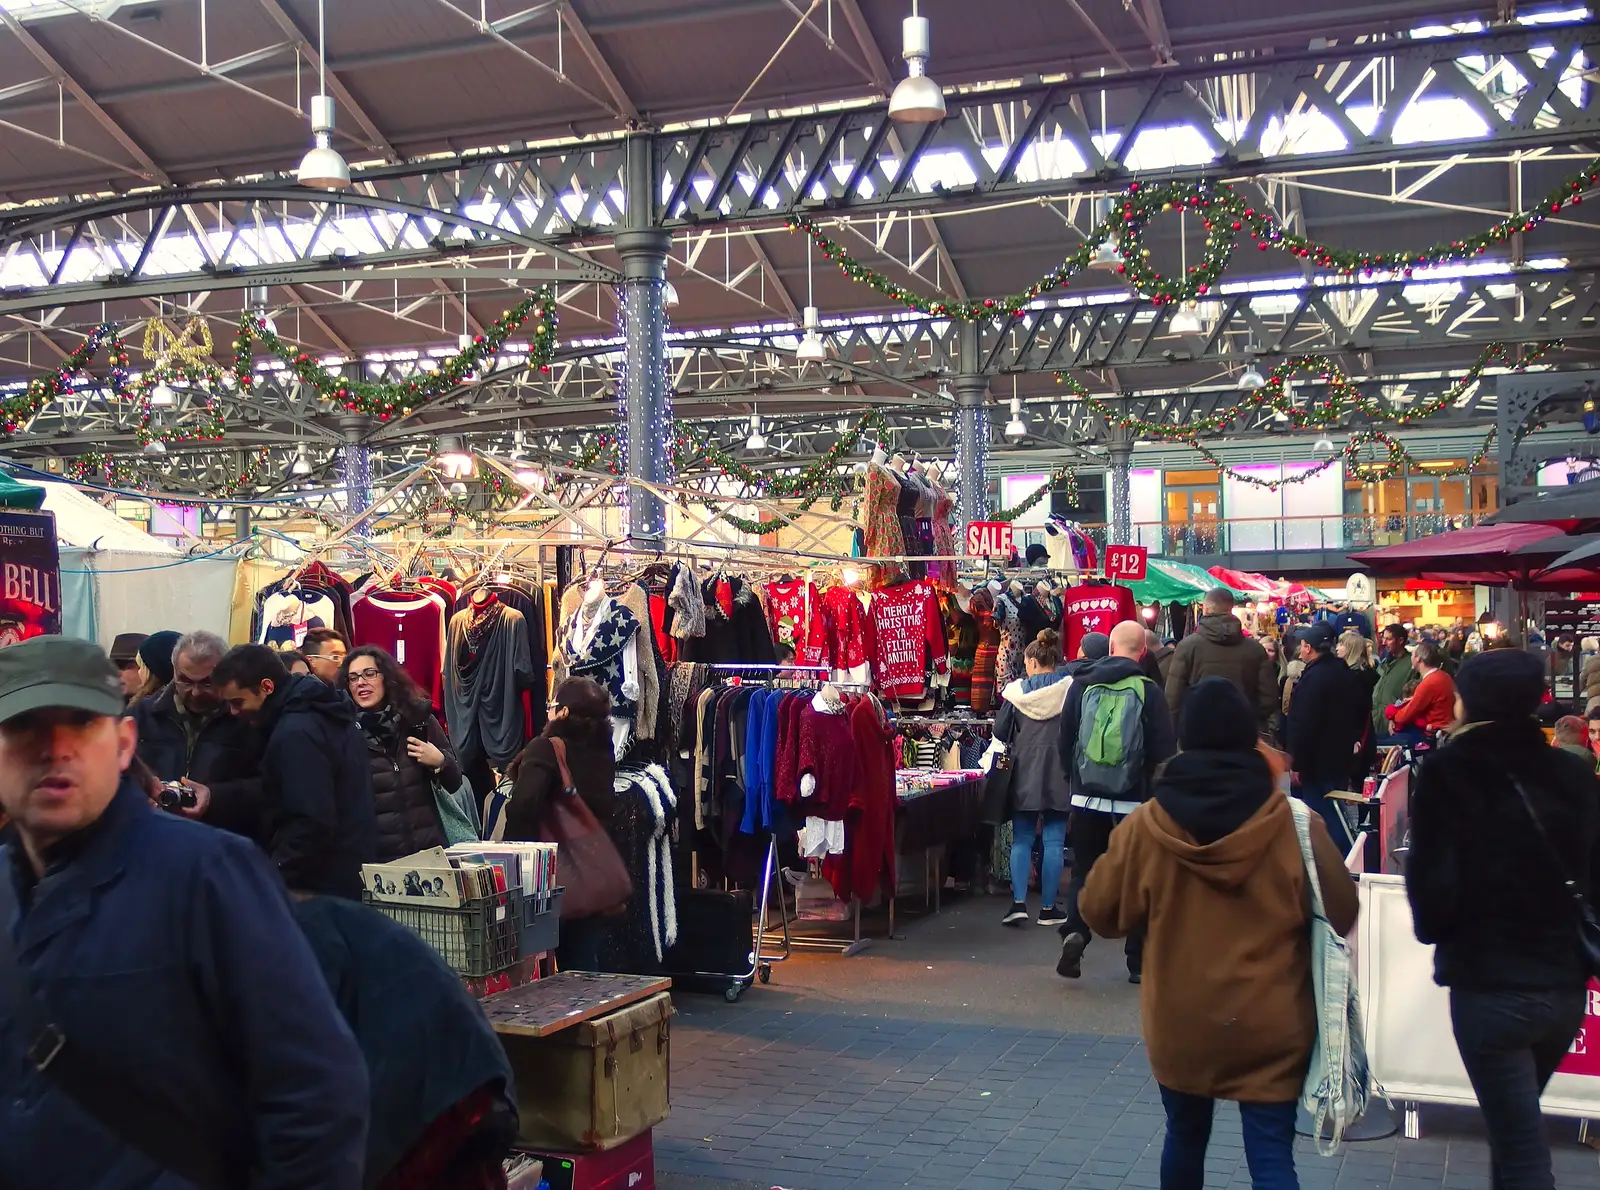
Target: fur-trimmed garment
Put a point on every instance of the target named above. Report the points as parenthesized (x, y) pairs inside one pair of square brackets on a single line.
[(652, 785)]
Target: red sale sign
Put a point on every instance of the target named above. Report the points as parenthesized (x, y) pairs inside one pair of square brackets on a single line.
[(989, 539), (1126, 563), (1583, 1056)]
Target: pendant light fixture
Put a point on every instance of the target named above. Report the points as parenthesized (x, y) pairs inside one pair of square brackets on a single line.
[(1017, 427), (1324, 446), (453, 459), (757, 440), (1106, 256), (302, 463), (155, 447), (812, 349), (162, 396), (917, 99), (1251, 378), (323, 168), (1186, 319)]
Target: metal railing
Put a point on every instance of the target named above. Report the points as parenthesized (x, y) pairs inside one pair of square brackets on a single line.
[(1332, 534)]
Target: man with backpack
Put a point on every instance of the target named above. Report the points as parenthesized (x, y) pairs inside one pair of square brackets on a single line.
[(1116, 729)]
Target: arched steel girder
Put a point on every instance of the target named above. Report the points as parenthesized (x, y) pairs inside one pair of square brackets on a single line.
[(410, 240)]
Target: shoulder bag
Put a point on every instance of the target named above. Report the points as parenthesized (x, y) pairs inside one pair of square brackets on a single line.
[(590, 867), (1588, 926), (458, 811), (1338, 1081)]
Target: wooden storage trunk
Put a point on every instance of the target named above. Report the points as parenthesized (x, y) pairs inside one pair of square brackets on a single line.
[(596, 1084)]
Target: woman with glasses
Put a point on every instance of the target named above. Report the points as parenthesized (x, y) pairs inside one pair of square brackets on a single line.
[(408, 749)]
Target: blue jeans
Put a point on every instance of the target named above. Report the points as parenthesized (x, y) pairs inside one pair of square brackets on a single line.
[(1268, 1142), (1055, 844), (1511, 1042)]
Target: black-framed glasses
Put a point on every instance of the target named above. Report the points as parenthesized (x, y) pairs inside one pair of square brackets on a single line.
[(358, 677)]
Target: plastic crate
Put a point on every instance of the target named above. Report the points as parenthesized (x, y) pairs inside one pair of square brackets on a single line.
[(539, 932), (479, 938)]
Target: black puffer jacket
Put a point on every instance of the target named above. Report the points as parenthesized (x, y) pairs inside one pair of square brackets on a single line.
[(316, 788), (1482, 883), (406, 814)]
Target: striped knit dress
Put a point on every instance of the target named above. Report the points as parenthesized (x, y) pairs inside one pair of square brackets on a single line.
[(986, 652)]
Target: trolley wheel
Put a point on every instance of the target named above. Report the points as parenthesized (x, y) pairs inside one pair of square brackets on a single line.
[(765, 972), (732, 992)]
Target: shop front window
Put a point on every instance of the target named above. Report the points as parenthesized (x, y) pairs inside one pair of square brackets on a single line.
[(1193, 513)]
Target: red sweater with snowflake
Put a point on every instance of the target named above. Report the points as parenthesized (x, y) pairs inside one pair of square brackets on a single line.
[(907, 635)]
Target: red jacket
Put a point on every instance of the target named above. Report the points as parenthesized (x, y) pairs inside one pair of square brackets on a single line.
[(1432, 706), (868, 861)]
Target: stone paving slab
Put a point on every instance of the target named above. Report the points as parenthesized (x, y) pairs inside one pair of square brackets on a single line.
[(828, 1101)]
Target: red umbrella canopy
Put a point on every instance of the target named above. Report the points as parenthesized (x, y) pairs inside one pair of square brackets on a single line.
[(1242, 580), (1486, 553)]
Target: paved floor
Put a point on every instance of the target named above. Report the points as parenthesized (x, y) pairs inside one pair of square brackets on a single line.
[(917, 1064)]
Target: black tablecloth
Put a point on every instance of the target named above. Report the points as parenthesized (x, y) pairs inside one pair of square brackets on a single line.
[(940, 817)]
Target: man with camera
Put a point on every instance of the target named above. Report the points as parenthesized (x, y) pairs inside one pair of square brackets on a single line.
[(206, 759), (161, 1014)]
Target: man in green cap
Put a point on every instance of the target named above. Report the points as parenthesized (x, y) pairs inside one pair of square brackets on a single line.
[(160, 1009)]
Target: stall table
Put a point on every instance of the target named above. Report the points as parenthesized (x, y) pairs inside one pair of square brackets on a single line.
[(931, 820)]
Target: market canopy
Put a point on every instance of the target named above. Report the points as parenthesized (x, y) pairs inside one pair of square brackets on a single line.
[(1168, 580), (19, 495), (1482, 554), (1256, 586)]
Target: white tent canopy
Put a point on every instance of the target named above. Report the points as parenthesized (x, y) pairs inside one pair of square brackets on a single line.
[(82, 522)]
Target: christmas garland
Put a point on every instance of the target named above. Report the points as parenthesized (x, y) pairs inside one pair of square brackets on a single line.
[(1062, 476), (382, 401), (1344, 396), (67, 375), (1397, 459), (386, 401), (1229, 220)]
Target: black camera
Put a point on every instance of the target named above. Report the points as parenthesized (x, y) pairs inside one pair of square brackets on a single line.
[(175, 795)]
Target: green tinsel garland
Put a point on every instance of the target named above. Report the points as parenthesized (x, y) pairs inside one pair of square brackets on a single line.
[(1229, 220)]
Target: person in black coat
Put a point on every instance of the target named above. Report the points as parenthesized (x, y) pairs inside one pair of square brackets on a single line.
[(1485, 879), (443, 1100), (1326, 720), (186, 734), (407, 749), (316, 779)]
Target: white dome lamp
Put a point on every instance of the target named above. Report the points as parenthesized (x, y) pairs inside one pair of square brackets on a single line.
[(1017, 427), (757, 440), (162, 396), (1106, 256), (917, 99), (812, 349), (301, 467), (1251, 378), (1187, 320), (323, 168)]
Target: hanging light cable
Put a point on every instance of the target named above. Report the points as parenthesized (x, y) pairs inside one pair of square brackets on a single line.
[(1186, 320), (323, 168)]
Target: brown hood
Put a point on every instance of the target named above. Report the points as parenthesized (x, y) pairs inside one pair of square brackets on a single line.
[(1221, 630), (1230, 861)]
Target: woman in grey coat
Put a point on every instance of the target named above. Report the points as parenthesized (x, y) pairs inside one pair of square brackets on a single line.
[(1029, 722)]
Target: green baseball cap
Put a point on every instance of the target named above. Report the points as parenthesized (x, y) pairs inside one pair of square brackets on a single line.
[(58, 671)]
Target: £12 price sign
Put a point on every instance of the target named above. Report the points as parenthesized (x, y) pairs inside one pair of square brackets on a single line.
[(1126, 563)]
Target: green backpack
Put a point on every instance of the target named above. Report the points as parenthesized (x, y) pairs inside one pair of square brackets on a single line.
[(1108, 760)]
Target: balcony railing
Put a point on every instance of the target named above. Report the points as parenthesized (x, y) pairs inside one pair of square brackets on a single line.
[(1328, 534)]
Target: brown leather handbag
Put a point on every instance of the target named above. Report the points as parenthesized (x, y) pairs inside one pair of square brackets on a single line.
[(588, 864)]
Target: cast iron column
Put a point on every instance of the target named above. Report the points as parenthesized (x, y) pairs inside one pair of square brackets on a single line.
[(355, 469), (1117, 474), (972, 448), (643, 398)]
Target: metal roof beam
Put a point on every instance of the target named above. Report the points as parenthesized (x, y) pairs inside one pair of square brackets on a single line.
[(565, 11), (284, 21), (148, 167)]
